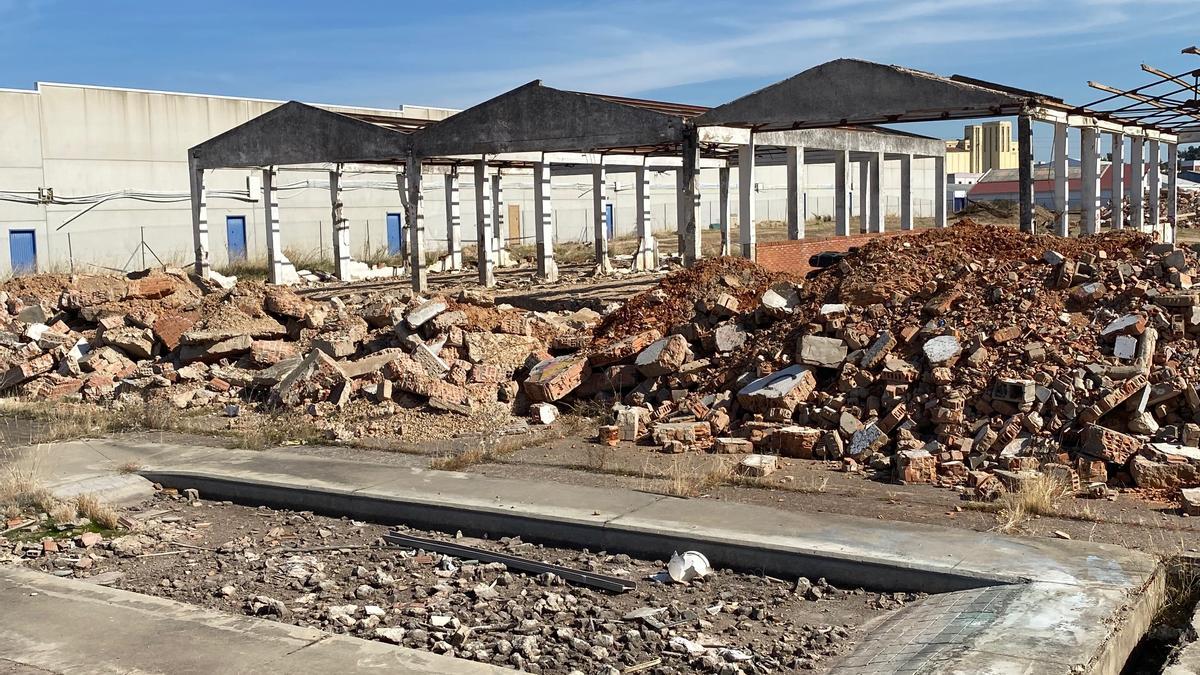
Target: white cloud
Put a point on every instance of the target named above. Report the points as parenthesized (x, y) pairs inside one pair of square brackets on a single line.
[(631, 48)]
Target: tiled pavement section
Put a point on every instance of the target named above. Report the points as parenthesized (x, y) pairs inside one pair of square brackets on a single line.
[(929, 632)]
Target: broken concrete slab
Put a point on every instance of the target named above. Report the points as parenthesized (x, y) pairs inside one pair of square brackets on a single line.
[(663, 356), (818, 350), (424, 312), (784, 389)]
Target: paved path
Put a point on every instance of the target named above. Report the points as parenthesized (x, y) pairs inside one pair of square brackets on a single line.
[(55, 625), (1010, 605)]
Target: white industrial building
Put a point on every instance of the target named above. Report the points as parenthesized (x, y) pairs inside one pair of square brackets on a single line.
[(88, 174)]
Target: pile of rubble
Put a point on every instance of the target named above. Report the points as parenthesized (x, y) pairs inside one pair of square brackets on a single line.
[(167, 335), (338, 575), (975, 356), (1188, 209)]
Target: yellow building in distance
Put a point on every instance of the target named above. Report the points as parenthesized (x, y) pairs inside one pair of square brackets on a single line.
[(983, 146)]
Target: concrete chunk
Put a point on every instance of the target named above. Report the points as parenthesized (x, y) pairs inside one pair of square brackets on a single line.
[(424, 312), (315, 372), (826, 352), (664, 356), (943, 349), (757, 466), (784, 389)]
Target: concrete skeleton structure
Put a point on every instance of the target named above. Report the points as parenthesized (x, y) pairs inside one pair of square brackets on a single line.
[(818, 116), (574, 132)]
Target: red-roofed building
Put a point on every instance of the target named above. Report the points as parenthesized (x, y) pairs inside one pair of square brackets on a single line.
[(1001, 185)]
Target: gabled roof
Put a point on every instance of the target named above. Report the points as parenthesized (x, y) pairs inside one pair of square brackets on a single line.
[(536, 118), (296, 133), (851, 91)]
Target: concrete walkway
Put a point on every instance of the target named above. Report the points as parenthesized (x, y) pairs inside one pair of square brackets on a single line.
[(58, 625), (1010, 605)]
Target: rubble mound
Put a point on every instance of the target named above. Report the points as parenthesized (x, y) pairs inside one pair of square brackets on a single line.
[(973, 356), (675, 299), (358, 363), (967, 251)]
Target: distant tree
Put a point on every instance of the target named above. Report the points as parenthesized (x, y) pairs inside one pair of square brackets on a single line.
[(1190, 153)]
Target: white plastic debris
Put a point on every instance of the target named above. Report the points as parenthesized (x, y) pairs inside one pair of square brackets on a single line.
[(734, 655), (690, 565), (683, 644)]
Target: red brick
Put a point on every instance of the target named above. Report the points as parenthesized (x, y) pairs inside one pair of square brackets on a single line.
[(792, 256), (552, 379), (169, 329)]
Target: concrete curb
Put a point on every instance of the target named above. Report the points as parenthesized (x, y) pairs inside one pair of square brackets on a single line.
[(847, 570), (1006, 604)]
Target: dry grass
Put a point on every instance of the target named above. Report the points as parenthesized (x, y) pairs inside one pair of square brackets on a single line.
[(63, 512), (89, 506), (129, 467), (67, 421), (690, 476), (1039, 496), (455, 457), (21, 487), (459, 461), (303, 259)]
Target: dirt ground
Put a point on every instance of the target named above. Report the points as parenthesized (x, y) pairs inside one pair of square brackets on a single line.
[(338, 575)]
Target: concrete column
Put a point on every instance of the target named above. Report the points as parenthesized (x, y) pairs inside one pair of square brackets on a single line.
[(415, 219), (864, 196), (747, 233), (279, 268), (200, 223), (499, 222), (687, 223), (795, 193), (906, 197), (723, 206), (841, 192), (600, 220), (1172, 192), (1062, 219), (454, 261), (547, 269), (1137, 183), (1025, 184), (1155, 186), (1089, 181), (646, 257), (939, 191), (341, 227), (484, 238), (876, 177), (1118, 181)]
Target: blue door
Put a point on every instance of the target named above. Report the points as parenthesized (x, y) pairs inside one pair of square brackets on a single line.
[(608, 217), (22, 251), (235, 235), (395, 234)]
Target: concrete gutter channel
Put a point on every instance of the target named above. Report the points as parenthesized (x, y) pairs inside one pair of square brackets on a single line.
[(1004, 604)]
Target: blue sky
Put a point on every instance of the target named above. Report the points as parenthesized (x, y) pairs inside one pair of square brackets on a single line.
[(458, 53)]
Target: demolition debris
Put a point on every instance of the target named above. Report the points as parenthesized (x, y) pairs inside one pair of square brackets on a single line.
[(974, 357)]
